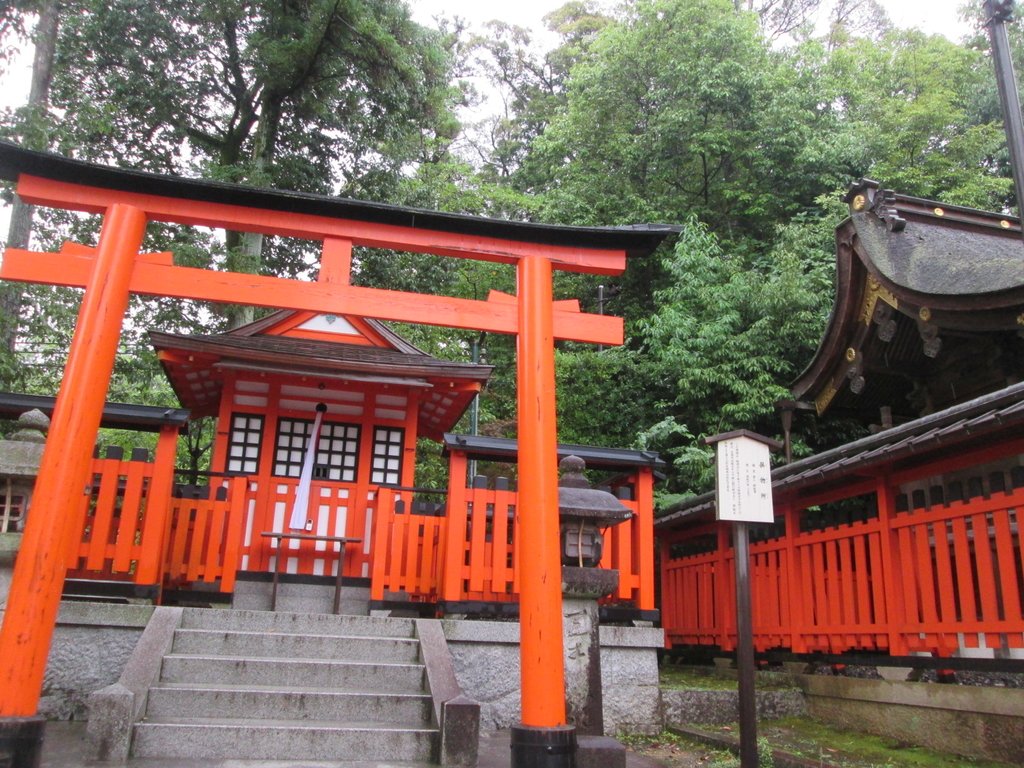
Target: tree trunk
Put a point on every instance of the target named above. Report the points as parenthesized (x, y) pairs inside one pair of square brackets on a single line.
[(248, 255), (37, 135)]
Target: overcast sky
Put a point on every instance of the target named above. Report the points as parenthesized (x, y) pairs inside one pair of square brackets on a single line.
[(932, 16)]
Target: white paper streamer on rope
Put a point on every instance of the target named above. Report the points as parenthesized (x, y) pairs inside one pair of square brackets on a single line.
[(300, 508)]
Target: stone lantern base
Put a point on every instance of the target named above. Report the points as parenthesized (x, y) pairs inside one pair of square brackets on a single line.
[(581, 588)]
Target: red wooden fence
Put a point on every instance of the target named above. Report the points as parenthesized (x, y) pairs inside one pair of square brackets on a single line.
[(922, 580), (204, 536), (123, 517), (469, 553), (335, 509), (135, 529)]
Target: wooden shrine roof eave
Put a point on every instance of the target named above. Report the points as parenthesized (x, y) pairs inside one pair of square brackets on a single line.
[(633, 240), (360, 378), (997, 415), (285, 353), (141, 418), (485, 448), (966, 266)]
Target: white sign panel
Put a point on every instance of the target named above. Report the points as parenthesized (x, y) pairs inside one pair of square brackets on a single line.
[(744, 481)]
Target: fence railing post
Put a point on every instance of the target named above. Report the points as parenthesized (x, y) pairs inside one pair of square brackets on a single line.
[(234, 528), (891, 575), (383, 523), (154, 525), (455, 539)]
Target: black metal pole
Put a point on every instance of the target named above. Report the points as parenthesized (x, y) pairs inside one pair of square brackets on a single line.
[(745, 648), (474, 412), (997, 14)]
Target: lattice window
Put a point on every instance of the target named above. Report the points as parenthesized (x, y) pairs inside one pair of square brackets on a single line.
[(12, 509), (387, 455), (244, 445), (337, 451)]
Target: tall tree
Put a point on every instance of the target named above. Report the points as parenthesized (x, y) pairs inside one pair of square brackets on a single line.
[(318, 96), (33, 124)]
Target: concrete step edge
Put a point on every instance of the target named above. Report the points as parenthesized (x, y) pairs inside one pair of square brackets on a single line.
[(262, 660), (293, 724), (286, 689), (272, 621), (221, 633)]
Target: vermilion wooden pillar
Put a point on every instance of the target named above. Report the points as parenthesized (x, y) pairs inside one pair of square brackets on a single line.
[(543, 731), (38, 576)]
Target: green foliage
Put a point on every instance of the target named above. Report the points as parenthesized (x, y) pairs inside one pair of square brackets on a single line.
[(729, 116), (647, 135), (909, 101), (726, 337)]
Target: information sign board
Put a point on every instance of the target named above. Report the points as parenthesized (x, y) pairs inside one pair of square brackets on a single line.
[(744, 482)]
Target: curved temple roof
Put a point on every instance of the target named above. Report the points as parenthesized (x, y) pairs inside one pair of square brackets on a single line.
[(635, 240), (929, 301)]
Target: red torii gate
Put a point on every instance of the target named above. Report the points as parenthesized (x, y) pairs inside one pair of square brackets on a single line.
[(128, 200)]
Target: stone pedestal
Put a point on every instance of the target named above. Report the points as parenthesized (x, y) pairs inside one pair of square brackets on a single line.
[(19, 464), (581, 588)]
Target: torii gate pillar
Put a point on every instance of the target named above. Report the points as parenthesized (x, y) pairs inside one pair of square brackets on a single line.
[(39, 570), (543, 738)]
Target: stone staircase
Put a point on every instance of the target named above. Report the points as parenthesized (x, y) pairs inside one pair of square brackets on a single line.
[(290, 686)]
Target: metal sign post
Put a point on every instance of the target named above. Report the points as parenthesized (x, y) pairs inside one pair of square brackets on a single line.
[(743, 494), (999, 13)]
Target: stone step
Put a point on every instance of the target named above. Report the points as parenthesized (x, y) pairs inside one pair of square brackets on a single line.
[(282, 740), (296, 623), (212, 642), (314, 673), (169, 701)]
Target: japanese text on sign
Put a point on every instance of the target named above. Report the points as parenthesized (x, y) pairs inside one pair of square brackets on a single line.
[(744, 485)]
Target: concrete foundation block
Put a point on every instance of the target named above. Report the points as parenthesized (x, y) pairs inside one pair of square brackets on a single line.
[(599, 752), (111, 717), (300, 597), (460, 732), (973, 721), (895, 674)]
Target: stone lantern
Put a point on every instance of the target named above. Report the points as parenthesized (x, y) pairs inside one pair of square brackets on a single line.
[(584, 513), (19, 464)]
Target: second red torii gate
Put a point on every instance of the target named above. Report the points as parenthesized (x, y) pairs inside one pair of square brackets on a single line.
[(116, 268)]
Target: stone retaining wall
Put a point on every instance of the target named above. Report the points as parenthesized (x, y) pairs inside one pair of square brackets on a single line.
[(702, 707), (972, 721), (93, 641), (486, 655), (91, 645)]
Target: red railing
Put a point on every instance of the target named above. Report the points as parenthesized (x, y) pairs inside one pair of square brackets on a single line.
[(408, 546), (124, 516), (469, 553), (204, 535), (923, 580), (137, 526), (335, 509)]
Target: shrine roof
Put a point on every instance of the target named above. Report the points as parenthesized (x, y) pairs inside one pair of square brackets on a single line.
[(635, 240), (485, 448), (953, 431), (359, 352), (289, 352), (928, 303), (142, 418)]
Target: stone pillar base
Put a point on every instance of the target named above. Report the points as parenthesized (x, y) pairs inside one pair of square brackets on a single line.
[(553, 747), (21, 741)]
